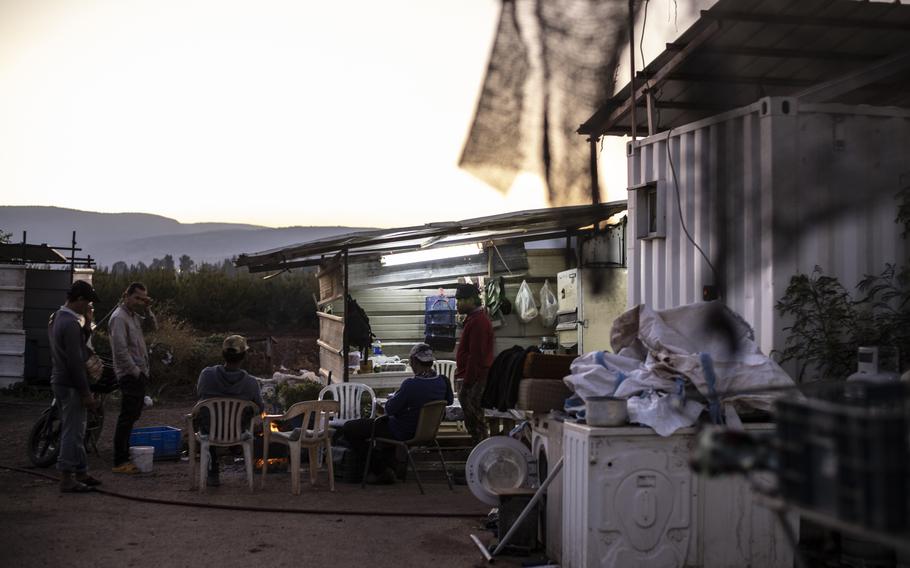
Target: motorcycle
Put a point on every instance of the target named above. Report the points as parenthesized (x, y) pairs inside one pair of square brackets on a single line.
[(44, 437)]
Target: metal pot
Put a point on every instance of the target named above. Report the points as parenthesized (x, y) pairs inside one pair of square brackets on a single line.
[(606, 411)]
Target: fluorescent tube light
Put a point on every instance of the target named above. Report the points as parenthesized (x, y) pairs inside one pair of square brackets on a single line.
[(431, 254)]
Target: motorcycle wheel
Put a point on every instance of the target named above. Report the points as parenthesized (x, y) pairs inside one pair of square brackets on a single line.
[(44, 440), (94, 425)]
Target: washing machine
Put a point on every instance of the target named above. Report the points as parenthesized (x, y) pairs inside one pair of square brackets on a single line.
[(630, 500), (546, 447)]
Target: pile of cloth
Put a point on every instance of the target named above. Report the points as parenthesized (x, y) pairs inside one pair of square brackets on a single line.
[(269, 387), (704, 349)]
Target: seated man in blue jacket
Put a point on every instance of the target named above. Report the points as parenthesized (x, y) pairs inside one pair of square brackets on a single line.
[(401, 414)]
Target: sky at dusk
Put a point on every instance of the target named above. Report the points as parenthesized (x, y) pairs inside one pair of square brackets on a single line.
[(275, 112)]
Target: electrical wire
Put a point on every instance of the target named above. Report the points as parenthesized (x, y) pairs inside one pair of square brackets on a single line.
[(682, 221), (641, 44), (247, 508)]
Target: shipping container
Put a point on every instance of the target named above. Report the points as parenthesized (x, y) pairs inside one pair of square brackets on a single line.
[(766, 191)]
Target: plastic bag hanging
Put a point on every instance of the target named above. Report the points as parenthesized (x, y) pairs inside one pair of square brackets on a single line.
[(492, 297), (524, 302), (548, 305)]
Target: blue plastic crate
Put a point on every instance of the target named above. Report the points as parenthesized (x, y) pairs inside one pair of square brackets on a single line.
[(165, 440)]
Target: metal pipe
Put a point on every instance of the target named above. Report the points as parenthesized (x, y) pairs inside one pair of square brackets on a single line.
[(73, 258), (632, 70), (344, 337), (483, 549), (649, 99), (595, 181), (527, 510)]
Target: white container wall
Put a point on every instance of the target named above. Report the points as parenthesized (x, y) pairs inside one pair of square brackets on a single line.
[(630, 500), (12, 335), (766, 191)]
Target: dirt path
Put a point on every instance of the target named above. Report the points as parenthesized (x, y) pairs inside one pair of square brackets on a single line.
[(41, 527)]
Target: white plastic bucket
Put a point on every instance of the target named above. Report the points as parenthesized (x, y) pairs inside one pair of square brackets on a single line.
[(142, 457)]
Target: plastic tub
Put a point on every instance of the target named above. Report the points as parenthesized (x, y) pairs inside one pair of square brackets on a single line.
[(143, 457)]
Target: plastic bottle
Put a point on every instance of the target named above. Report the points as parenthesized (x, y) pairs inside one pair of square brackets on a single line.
[(377, 347)]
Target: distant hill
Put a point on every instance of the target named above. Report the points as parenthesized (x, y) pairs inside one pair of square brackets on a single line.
[(135, 237)]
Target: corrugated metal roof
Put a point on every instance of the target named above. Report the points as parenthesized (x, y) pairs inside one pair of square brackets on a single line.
[(743, 50), (536, 223), (30, 253)]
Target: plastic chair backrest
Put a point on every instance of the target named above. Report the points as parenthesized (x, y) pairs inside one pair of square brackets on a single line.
[(322, 410), (348, 396), (446, 368), (431, 415), (226, 418)]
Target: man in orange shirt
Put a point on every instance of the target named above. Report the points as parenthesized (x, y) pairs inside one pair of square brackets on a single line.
[(473, 357)]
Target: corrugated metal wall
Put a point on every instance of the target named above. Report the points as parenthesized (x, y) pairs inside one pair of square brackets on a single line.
[(767, 191), (397, 314)]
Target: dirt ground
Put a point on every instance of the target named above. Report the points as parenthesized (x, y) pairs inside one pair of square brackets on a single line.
[(41, 527)]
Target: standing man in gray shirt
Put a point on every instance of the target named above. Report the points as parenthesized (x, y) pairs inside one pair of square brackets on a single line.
[(69, 382), (131, 365)]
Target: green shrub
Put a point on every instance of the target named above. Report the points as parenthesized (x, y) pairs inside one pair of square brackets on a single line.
[(290, 394), (213, 299)]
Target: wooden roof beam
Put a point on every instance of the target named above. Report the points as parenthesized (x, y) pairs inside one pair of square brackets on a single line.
[(889, 67), (659, 76), (781, 53), (798, 20), (738, 79)]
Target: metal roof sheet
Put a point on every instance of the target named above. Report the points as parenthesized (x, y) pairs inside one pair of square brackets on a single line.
[(30, 253), (743, 50), (535, 223)]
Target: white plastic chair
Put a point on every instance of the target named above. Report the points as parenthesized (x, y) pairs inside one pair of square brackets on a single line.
[(446, 368), (317, 412), (225, 428), (349, 397)]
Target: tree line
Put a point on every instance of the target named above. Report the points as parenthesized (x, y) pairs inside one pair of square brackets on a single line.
[(183, 265), (215, 297)]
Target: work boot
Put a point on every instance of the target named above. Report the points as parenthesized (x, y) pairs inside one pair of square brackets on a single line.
[(213, 479), (68, 484), (388, 476), (88, 480)]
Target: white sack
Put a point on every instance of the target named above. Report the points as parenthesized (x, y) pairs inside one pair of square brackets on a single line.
[(659, 412)]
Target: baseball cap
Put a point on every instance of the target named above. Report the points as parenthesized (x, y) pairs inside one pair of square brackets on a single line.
[(235, 343), (463, 291), (84, 290), (423, 353)]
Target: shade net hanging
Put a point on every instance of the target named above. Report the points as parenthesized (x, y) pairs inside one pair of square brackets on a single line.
[(552, 65)]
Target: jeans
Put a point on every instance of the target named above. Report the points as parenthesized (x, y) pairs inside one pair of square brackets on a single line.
[(132, 394), (72, 458), (358, 431), (469, 396)]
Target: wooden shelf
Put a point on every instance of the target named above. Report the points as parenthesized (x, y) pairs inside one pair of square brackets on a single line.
[(334, 298)]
